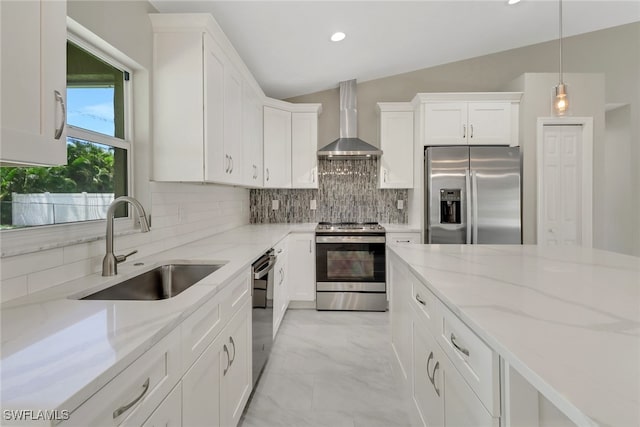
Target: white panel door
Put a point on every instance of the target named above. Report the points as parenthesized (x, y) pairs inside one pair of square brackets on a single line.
[(560, 222), (302, 266), (215, 162), (233, 123), (251, 138)]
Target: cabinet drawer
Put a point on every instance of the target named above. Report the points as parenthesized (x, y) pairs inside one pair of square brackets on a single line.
[(425, 304), (168, 414), (133, 394), (475, 361), (200, 329), (403, 237), (235, 295)]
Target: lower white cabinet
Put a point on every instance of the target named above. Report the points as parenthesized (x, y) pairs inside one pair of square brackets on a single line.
[(302, 266), (217, 386), (280, 283), (442, 392), (169, 413)]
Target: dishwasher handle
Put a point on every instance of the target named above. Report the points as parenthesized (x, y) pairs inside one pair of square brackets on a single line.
[(263, 267)]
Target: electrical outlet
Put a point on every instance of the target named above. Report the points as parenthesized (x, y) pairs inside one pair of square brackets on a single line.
[(313, 205), (400, 204), (275, 205)]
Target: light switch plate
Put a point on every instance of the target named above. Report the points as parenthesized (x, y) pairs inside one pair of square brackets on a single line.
[(275, 205), (400, 204), (312, 205)]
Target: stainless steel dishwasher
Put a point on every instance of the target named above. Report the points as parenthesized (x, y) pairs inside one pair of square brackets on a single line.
[(262, 322)]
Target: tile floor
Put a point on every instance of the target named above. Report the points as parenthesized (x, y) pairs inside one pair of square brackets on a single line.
[(329, 369)]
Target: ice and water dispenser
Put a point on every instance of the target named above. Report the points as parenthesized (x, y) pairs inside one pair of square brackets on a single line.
[(450, 206)]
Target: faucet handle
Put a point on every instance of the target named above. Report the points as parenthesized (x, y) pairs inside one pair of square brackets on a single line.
[(123, 258)]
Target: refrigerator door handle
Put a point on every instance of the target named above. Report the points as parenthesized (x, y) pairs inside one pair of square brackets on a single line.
[(468, 202), (474, 195)]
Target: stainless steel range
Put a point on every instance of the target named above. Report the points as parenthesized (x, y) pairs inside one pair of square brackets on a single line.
[(350, 266)]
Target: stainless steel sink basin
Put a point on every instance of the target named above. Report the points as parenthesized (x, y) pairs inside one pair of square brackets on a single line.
[(162, 282)]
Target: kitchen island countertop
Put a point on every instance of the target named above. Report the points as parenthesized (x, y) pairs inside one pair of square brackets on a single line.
[(566, 318)]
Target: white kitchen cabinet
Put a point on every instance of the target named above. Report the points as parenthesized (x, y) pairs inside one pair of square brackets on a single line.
[(396, 142), (237, 375), (130, 397), (199, 101), (302, 267), (252, 138), (404, 237), (34, 82), (443, 393), (304, 149), (399, 297), (469, 118), (169, 413), (277, 148), (201, 387), (280, 284)]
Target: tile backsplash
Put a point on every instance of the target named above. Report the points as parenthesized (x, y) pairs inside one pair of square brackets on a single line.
[(180, 213), (347, 191)]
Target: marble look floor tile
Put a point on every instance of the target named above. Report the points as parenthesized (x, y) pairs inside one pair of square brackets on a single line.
[(329, 369)]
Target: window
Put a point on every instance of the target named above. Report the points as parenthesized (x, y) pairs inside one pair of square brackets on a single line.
[(98, 158)]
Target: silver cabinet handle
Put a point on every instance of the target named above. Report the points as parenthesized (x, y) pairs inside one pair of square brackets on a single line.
[(279, 251), (63, 119), (464, 131), (267, 174), (471, 135), (226, 350), (428, 362), (231, 159), (234, 350), (226, 163), (121, 410), (433, 379), (457, 346), (403, 241), (420, 300), (310, 248), (313, 176)]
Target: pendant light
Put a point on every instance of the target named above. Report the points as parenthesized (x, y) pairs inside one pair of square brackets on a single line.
[(560, 96)]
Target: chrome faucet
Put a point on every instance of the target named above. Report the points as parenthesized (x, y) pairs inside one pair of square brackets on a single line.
[(110, 261)]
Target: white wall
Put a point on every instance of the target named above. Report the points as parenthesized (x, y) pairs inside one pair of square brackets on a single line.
[(180, 212)]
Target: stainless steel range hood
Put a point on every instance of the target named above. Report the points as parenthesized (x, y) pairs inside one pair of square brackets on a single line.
[(349, 145)]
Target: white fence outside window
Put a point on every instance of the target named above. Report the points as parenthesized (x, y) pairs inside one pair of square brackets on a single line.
[(58, 208)]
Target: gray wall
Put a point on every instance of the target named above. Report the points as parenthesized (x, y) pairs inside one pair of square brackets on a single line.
[(614, 52)]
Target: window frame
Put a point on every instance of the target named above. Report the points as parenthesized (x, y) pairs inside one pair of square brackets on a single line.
[(26, 240)]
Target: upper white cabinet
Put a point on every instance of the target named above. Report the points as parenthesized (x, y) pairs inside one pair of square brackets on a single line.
[(396, 143), (34, 81), (304, 149), (200, 90), (290, 145), (277, 148), (469, 118), (251, 138)]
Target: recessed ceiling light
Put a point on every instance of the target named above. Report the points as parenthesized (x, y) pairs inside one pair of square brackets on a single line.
[(336, 37), (510, 2)]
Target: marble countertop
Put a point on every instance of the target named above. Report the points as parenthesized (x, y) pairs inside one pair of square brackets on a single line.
[(567, 319), (58, 351)]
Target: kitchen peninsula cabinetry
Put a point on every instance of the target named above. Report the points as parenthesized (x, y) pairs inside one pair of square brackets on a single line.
[(451, 374), (34, 82), (200, 87), (468, 118), (396, 142), (290, 144)]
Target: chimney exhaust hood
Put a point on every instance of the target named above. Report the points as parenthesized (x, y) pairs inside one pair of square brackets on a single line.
[(349, 146)]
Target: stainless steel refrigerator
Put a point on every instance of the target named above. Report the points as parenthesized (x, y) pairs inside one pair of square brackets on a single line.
[(472, 195)]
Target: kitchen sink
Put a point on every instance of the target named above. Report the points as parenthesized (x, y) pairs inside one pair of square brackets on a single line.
[(164, 281)]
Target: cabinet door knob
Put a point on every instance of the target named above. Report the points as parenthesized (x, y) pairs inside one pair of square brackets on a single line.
[(63, 119), (121, 410), (457, 346)]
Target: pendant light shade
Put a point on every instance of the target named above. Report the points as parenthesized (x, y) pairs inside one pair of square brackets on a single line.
[(560, 95)]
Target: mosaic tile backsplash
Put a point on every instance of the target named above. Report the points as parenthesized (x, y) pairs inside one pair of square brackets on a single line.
[(347, 191)]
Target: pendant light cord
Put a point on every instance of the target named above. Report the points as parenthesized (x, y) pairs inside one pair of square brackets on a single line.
[(560, 32)]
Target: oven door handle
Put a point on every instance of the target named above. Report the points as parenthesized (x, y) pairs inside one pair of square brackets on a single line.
[(350, 239)]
